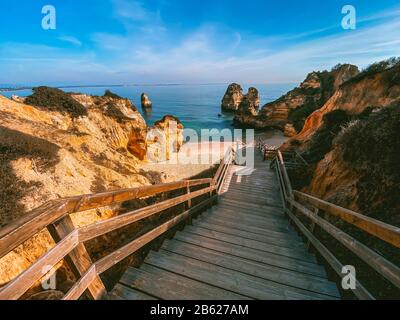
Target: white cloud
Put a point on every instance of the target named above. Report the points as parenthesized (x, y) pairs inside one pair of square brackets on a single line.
[(70, 39)]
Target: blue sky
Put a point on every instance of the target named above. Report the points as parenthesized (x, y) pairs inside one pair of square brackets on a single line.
[(182, 41)]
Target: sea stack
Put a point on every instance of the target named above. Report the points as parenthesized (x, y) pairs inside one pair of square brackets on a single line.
[(232, 98), (146, 102)]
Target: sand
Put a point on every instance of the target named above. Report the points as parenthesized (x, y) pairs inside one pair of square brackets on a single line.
[(195, 158)]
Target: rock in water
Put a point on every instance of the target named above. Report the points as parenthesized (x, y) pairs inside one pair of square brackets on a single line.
[(250, 103), (232, 98), (296, 105), (146, 102)]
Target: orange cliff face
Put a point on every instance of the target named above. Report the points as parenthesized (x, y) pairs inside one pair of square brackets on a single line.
[(378, 90), (48, 154), (333, 178), (312, 93)]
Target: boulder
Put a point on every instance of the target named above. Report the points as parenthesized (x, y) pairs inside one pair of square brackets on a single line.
[(232, 98), (296, 105), (146, 102)]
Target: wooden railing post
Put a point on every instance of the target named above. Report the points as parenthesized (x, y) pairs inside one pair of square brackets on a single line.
[(312, 227), (78, 260)]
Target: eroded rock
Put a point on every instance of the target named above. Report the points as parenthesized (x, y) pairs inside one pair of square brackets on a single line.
[(146, 102)]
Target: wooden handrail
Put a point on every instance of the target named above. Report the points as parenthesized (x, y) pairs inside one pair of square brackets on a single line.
[(57, 212), (381, 230), (14, 234)]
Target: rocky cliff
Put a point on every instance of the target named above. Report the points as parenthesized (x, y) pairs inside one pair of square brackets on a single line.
[(352, 145), (234, 100), (145, 101), (58, 145), (294, 107)]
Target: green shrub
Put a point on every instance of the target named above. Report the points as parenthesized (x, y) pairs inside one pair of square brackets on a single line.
[(299, 115), (53, 99), (372, 149), (375, 68), (321, 142), (110, 94)]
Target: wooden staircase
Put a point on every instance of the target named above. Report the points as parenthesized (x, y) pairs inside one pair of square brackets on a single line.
[(242, 248), (245, 244)]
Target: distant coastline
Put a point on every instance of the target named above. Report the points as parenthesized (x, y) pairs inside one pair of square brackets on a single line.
[(20, 88)]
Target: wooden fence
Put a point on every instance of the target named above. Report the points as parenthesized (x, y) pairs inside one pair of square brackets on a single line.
[(70, 241), (316, 210)]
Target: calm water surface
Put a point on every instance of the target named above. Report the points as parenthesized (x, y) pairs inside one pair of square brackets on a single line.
[(197, 106)]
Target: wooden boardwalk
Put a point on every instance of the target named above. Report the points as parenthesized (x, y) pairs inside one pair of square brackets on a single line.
[(242, 248)]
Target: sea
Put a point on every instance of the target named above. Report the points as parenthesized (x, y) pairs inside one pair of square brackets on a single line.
[(196, 106)]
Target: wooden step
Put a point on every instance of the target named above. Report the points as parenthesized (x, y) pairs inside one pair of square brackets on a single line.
[(239, 203), (224, 278), (171, 286), (238, 225), (297, 253), (121, 292), (254, 254), (288, 241), (290, 278)]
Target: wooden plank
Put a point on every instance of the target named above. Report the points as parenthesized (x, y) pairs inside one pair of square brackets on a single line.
[(253, 254), (361, 292), (379, 229), (78, 259), (21, 230), (250, 213), (296, 253), (224, 213), (279, 275), (241, 226), (127, 293), (250, 205), (247, 226), (120, 254), (18, 286), (81, 285), (170, 286), (17, 232), (227, 279), (289, 242), (265, 201), (285, 175), (267, 210), (384, 267), (102, 227)]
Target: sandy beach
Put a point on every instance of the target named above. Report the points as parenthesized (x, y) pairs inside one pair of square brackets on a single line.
[(195, 158)]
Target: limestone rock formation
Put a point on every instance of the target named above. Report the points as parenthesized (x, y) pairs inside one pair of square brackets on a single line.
[(297, 104), (47, 153), (289, 130), (356, 170), (380, 89), (17, 98), (232, 98), (146, 102), (164, 139)]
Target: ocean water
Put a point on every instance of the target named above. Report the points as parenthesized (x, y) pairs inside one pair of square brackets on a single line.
[(197, 106)]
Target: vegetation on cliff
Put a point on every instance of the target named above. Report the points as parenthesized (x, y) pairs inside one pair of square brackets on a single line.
[(371, 147), (315, 97), (53, 99)]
